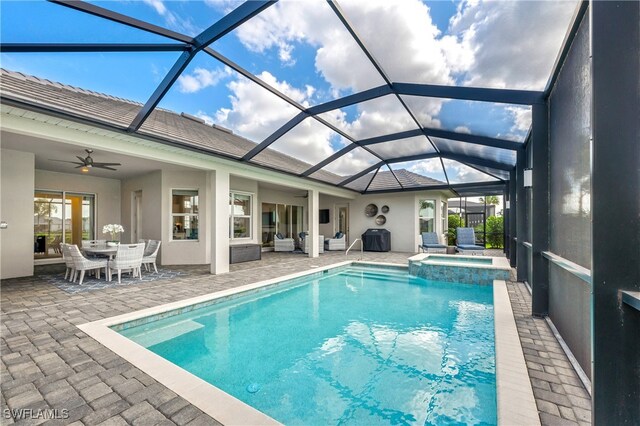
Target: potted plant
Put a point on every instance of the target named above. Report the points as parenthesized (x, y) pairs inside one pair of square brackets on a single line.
[(114, 230)]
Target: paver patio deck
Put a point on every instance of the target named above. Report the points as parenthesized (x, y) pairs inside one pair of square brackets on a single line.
[(47, 363)]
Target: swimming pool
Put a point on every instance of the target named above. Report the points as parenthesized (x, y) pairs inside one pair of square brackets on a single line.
[(358, 344), (515, 400)]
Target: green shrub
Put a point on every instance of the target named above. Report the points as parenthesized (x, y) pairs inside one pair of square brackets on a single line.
[(495, 231), (453, 223)]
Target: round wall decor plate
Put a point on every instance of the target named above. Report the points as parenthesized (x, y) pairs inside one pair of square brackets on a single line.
[(385, 209), (371, 210), (381, 220)]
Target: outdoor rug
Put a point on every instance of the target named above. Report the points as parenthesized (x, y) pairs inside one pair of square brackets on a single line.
[(91, 283)]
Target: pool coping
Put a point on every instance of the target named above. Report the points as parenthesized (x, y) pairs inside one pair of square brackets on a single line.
[(500, 263), (515, 401)]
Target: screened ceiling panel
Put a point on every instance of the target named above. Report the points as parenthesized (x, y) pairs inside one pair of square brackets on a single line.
[(481, 44), (186, 17), (45, 22), (307, 144), (461, 173), (352, 162), (303, 50), (500, 174), (376, 117), (220, 96), (384, 181), (495, 120), (307, 52), (362, 182), (108, 73), (412, 174), (402, 147), (499, 155)]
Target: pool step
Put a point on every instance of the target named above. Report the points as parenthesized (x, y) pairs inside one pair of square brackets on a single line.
[(160, 335), (376, 276)]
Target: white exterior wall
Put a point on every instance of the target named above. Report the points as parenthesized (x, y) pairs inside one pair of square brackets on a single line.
[(185, 252), (16, 209), (329, 202), (107, 193), (402, 218), (150, 185)]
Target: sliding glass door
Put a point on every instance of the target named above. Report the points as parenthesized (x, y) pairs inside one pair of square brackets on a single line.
[(58, 217), (281, 218)]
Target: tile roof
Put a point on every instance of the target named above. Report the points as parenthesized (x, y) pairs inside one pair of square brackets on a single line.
[(182, 128), (167, 125)]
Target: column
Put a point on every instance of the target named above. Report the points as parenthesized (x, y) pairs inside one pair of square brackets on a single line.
[(314, 222), (539, 227), (615, 210), (513, 223), (521, 222), (219, 227)]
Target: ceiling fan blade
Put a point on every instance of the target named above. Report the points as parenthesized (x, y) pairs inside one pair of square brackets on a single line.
[(106, 164), (80, 166), (84, 161), (65, 161), (102, 166)]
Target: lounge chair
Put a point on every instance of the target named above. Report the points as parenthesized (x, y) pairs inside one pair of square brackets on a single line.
[(466, 242), (281, 243), (430, 243), (338, 242)]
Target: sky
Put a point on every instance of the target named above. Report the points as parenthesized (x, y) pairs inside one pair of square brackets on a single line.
[(300, 48)]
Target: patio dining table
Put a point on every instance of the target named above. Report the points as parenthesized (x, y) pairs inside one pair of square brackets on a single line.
[(101, 249)]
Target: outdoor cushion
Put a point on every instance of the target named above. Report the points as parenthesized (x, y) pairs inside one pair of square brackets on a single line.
[(435, 246), (470, 247), (338, 235), (279, 236)]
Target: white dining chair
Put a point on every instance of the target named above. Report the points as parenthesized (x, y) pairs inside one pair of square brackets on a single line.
[(129, 259)]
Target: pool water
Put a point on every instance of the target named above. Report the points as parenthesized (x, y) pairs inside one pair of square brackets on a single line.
[(356, 345)]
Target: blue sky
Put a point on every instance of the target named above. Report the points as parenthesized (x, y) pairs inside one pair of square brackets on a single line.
[(300, 48)]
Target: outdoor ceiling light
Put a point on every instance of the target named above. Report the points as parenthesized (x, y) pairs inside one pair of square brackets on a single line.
[(527, 180), (85, 169)]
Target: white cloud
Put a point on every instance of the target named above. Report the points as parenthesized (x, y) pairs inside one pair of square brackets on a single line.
[(495, 44), (255, 113), (515, 43), (201, 78), (173, 20), (462, 129), (521, 118), (461, 173)]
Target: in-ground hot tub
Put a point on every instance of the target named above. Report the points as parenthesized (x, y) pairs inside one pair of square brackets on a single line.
[(454, 268)]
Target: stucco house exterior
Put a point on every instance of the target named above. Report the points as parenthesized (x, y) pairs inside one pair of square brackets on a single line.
[(176, 173)]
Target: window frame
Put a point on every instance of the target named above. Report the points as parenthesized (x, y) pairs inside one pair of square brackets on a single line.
[(420, 217), (172, 215), (232, 216)]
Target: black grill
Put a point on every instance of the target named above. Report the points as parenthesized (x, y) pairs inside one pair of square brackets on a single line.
[(376, 240)]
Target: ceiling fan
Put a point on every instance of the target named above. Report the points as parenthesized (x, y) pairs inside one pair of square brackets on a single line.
[(86, 163)]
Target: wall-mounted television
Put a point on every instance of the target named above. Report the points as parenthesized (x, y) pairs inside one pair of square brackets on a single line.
[(324, 216)]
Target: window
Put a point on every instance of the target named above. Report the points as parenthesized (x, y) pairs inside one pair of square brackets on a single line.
[(184, 214), (240, 215), (427, 215)]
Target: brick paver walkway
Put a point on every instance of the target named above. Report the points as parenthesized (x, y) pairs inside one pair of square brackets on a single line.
[(47, 363)]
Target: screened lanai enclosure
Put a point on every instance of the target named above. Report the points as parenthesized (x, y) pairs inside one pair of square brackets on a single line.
[(535, 101)]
